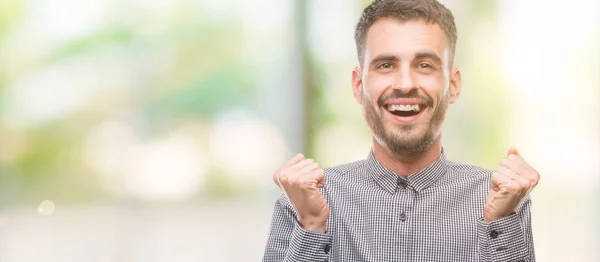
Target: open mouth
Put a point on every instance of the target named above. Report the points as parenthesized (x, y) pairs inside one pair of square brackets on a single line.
[(405, 110)]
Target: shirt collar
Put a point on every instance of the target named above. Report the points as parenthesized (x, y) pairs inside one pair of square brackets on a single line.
[(419, 180)]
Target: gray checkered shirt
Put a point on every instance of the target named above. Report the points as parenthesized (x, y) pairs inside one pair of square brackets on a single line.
[(435, 214)]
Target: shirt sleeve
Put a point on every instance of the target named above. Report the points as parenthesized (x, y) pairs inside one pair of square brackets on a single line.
[(288, 241), (508, 238)]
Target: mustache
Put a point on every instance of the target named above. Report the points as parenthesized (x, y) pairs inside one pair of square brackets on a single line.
[(410, 94)]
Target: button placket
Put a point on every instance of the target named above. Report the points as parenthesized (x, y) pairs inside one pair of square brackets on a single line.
[(405, 199)]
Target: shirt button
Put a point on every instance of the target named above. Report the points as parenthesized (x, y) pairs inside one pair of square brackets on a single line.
[(402, 217), (326, 248), (494, 234), (402, 184)]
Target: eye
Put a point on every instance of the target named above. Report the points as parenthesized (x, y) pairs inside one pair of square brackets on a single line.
[(385, 66), (424, 66)]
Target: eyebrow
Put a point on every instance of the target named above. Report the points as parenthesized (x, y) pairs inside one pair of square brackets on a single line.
[(380, 58), (428, 55), (421, 55)]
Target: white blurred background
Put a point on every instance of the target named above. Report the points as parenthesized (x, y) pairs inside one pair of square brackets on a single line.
[(148, 130)]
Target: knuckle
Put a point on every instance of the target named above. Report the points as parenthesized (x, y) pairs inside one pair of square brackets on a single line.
[(292, 181), (516, 185), (512, 187), (284, 177), (532, 181), (283, 181), (535, 181), (525, 183), (320, 172), (495, 176)]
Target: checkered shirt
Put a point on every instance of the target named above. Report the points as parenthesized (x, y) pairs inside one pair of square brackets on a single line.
[(435, 214)]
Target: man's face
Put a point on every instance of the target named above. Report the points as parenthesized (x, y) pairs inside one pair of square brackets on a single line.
[(405, 83)]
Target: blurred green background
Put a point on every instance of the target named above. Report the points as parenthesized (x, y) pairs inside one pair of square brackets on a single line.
[(148, 130)]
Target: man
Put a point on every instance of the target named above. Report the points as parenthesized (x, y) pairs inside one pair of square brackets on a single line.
[(406, 201)]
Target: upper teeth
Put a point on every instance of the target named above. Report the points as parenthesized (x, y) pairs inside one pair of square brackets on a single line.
[(415, 108)]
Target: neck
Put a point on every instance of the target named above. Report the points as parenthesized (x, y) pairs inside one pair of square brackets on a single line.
[(407, 164)]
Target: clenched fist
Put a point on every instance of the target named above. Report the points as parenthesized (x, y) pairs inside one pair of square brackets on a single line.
[(300, 180), (512, 181)]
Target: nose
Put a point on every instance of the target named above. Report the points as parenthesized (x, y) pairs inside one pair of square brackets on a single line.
[(404, 79)]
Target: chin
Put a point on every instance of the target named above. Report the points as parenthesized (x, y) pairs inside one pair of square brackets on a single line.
[(413, 141)]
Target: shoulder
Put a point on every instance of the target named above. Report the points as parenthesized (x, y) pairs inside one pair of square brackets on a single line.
[(468, 171), (344, 169), (474, 179), (348, 174)]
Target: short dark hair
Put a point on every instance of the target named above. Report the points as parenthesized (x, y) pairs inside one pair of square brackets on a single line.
[(404, 10)]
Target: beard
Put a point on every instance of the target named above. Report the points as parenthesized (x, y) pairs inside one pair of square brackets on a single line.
[(406, 139)]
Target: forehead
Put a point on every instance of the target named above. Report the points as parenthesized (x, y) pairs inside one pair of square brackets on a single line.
[(405, 38)]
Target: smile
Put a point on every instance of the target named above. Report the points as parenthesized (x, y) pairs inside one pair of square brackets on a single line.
[(404, 110)]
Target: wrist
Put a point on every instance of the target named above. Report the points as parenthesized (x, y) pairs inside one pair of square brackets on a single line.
[(489, 217), (318, 225)]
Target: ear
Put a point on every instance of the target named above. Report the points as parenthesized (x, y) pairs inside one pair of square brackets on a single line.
[(357, 84), (455, 85)]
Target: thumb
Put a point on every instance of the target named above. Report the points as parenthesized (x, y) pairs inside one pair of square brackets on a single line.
[(512, 151), (320, 178)]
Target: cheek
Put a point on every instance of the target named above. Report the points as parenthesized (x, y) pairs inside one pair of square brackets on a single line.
[(375, 86), (429, 80), (434, 86)]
